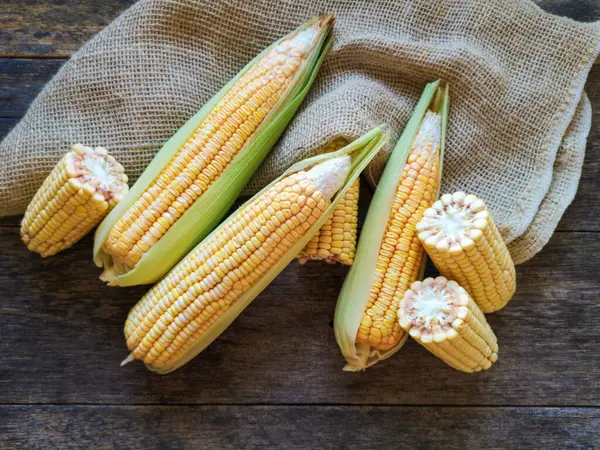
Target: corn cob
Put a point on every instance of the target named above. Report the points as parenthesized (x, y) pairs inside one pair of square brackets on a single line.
[(336, 240), (440, 315), (83, 187), (203, 294), (463, 242), (198, 174), (389, 256)]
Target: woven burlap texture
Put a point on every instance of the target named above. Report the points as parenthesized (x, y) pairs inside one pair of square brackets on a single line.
[(516, 75)]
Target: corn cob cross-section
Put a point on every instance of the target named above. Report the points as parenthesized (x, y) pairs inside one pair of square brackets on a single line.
[(336, 240), (83, 187), (203, 294), (464, 243), (198, 174), (389, 256), (440, 315)]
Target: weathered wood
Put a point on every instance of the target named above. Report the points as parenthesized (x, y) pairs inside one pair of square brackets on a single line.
[(62, 340), (20, 82), (53, 28), (580, 10), (56, 28), (6, 124), (291, 427)]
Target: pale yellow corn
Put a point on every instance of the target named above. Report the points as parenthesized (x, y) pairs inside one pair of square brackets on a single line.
[(81, 189), (401, 253), (442, 317), (210, 149), (464, 243), (176, 312), (336, 239)]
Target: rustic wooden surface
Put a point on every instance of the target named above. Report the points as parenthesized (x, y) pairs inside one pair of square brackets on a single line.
[(273, 379)]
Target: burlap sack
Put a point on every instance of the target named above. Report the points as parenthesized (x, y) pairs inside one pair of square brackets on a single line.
[(516, 76)]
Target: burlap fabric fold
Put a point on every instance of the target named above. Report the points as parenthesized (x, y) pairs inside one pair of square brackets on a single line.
[(519, 117)]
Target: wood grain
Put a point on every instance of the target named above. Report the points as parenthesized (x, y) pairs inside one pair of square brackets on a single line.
[(56, 28), (6, 124), (21, 80), (62, 340), (290, 427), (53, 28)]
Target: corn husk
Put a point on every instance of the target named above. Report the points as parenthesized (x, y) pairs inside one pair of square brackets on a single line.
[(354, 295), (362, 151), (213, 204)]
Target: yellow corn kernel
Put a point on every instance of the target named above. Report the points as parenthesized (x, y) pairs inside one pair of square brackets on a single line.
[(401, 254), (81, 189), (464, 243), (388, 255), (176, 313), (336, 240), (442, 317), (211, 148)]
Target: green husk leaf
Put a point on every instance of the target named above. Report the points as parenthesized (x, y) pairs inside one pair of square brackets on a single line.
[(208, 209), (354, 294), (362, 150)]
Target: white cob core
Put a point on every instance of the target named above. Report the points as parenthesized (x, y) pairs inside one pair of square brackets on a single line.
[(330, 175), (98, 169), (430, 131), (285, 58), (430, 303), (454, 220)]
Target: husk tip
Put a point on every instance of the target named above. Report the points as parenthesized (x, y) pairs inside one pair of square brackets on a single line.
[(127, 360)]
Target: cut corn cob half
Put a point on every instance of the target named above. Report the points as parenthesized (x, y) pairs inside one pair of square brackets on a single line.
[(199, 172), (440, 315), (389, 256), (463, 242), (81, 189), (336, 240), (210, 287)]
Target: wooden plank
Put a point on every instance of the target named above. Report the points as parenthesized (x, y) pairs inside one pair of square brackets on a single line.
[(56, 28), (62, 341), (53, 28), (580, 10), (6, 124), (292, 427), (21, 80)]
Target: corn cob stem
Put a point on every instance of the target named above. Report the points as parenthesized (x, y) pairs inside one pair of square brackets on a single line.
[(463, 242), (83, 187), (202, 169), (440, 315)]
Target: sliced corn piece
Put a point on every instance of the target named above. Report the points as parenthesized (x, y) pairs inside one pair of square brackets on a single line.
[(199, 172), (81, 189), (389, 256), (442, 317), (463, 242), (210, 287), (336, 240)]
